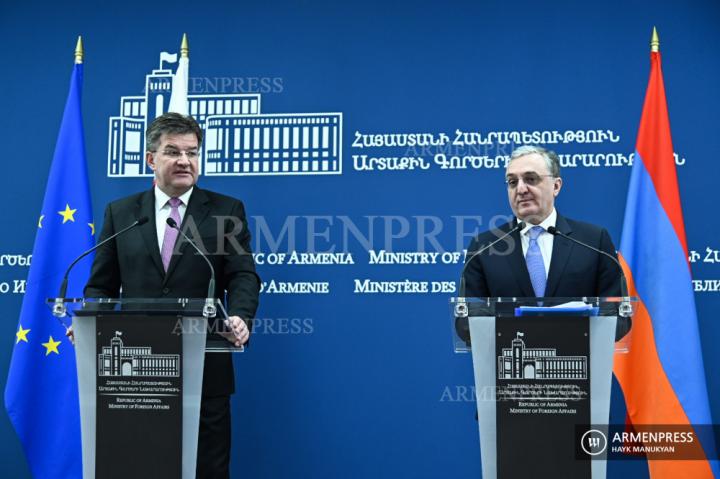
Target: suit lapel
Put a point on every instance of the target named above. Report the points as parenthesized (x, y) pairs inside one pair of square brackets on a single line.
[(562, 249), (517, 265), (197, 210), (146, 207)]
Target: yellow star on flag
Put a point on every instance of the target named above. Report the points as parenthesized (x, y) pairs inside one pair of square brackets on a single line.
[(21, 334), (92, 228), (42, 217), (51, 346), (67, 214)]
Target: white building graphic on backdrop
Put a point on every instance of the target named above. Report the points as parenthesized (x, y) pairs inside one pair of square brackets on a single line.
[(239, 139)]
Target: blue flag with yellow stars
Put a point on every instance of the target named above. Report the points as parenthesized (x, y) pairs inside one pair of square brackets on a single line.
[(41, 395)]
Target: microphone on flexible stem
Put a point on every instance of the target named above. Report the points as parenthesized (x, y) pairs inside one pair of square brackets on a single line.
[(209, 309), (59, 310), (461, 309), (625, 309)]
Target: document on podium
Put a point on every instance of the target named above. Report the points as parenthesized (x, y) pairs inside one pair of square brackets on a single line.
[(572, 308)]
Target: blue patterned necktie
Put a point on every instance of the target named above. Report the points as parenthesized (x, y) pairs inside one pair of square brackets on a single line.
[(535, 263)]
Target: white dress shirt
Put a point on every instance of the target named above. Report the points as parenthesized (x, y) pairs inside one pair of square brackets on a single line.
[(162, 211), (545, 240)]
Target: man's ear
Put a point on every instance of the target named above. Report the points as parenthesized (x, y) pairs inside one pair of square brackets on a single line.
[(150, 159), (557, 186)]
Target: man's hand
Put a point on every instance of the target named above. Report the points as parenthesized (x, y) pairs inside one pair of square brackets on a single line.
[(70, 334), (239, 332)]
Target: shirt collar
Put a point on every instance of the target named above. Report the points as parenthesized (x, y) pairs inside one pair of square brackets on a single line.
[(547, 222), (161, 198)]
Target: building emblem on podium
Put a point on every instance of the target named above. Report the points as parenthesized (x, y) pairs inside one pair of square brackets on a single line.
[(120, 360), (519, 362), (239, 140)]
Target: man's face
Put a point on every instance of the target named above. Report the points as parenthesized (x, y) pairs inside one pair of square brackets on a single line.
[(531, 189), (175, 163)]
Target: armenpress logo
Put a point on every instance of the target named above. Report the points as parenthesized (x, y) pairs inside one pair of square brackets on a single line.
[(593, 442), (239, 139)]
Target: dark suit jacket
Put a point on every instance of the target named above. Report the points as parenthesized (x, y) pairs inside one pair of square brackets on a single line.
[(574, 270), (132, 262)]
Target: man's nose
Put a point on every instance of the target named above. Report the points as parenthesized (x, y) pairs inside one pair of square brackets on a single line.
[(521, 186)]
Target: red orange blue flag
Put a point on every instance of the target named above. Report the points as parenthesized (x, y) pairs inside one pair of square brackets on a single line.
[(662, 376)]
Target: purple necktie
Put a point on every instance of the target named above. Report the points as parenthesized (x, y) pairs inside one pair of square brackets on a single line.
[(171, 234)]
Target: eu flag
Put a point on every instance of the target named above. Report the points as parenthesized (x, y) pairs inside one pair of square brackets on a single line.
[(41, 394)]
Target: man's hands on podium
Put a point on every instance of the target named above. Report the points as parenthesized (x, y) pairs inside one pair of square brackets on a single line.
[(239, 332)]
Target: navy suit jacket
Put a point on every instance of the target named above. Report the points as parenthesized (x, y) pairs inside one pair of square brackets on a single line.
[(575, 271), (132, 262)]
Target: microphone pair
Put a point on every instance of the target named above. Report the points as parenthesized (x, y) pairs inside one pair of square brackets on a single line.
[(59, 309), (625, 309)]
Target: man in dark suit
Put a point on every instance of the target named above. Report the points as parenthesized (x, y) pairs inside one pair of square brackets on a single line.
[(152, 261), (533, 262)]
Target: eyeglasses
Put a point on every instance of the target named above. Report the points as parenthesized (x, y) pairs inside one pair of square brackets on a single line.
[(174, 153), (530, 179)]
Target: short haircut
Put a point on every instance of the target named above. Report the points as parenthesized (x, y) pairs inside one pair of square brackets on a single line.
[(551, 159), (171, 124)]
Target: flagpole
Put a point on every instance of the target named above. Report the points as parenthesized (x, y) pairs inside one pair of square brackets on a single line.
[(655, 41), (79, 51)]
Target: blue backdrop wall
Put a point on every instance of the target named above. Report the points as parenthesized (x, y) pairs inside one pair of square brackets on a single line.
[(344, 382)]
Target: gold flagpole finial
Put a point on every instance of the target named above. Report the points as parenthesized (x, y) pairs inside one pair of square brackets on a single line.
[(655, 41), (184, 48), (79, 52)]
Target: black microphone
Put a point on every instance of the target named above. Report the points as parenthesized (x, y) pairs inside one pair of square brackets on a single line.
[(209, 310), (625, 307), (519, 227), (59, 309)]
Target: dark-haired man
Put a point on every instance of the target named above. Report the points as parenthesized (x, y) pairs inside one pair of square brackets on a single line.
[(147, 263)]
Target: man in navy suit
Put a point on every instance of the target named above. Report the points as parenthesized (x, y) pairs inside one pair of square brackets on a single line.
[(151, 261), (533, 262)]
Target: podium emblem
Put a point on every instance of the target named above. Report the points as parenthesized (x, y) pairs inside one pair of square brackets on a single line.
[(521, 362), (120, 360)]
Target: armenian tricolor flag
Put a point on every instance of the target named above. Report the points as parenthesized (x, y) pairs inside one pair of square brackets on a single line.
[(662, 377)]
